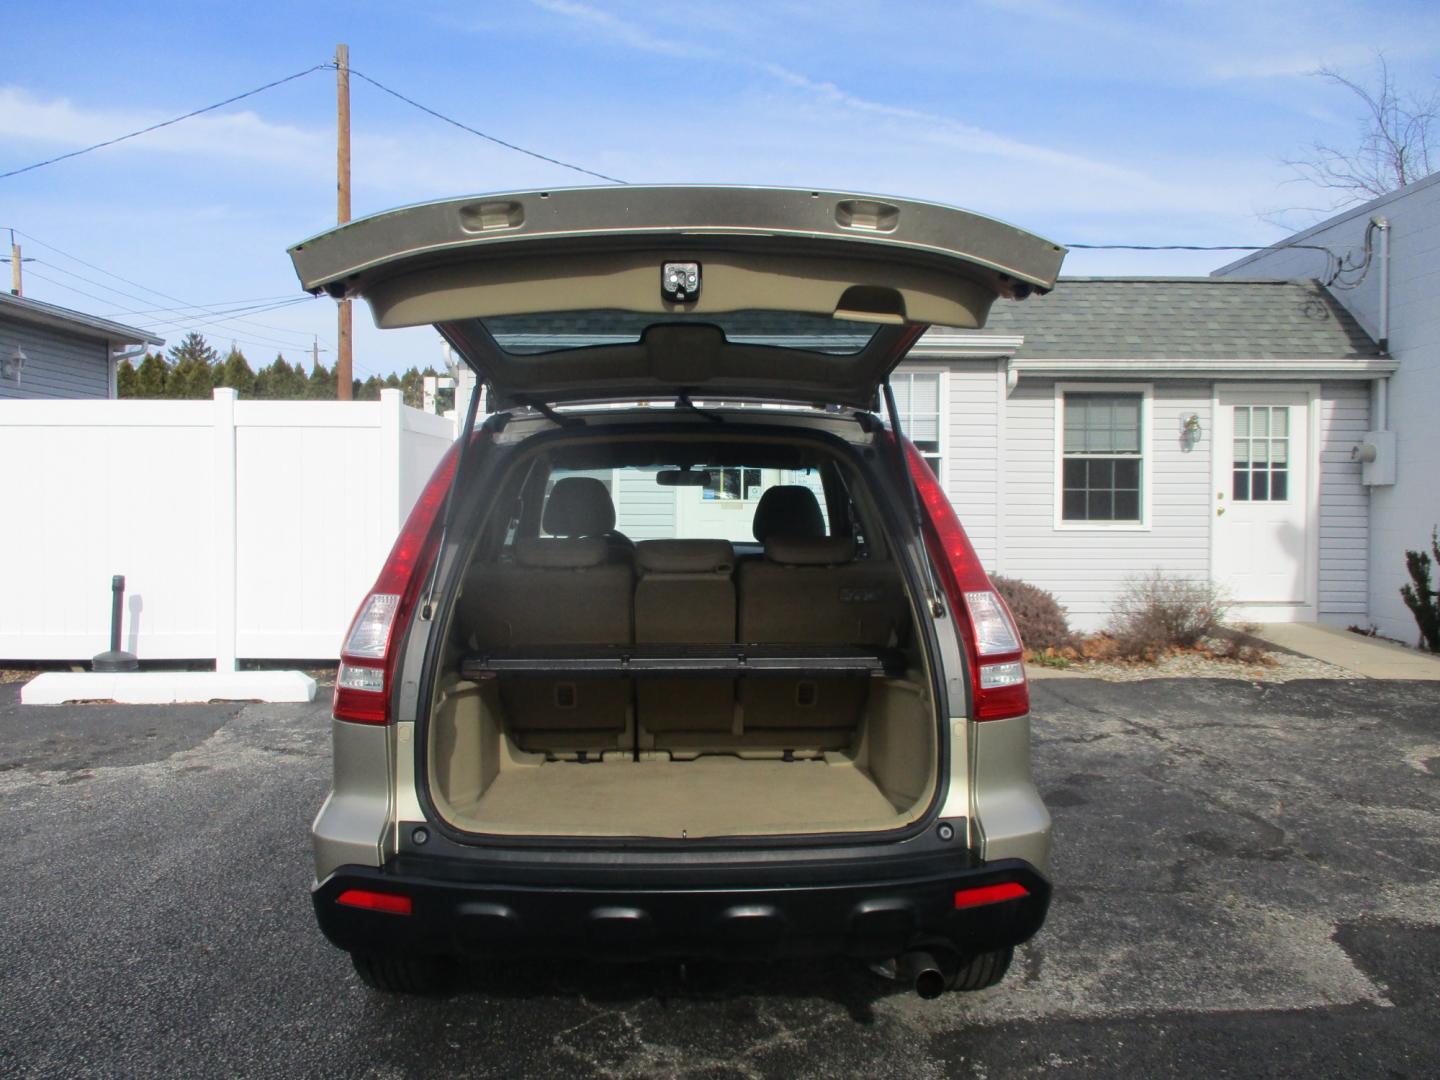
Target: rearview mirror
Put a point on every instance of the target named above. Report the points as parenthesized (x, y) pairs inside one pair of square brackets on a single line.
[(683, 478)]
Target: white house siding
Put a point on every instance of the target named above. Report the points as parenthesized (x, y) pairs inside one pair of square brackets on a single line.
[(973, 475), (1401, 515), (1344, 503), (643, 509), (1087, 567), (57, 364)]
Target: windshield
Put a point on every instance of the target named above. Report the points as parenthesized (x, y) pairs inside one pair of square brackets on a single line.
[(525, 335)]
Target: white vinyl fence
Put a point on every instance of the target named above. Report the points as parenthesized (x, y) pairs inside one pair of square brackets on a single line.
[(244, 529)]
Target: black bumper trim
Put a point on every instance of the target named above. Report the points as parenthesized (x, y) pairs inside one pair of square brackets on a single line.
[(767, 916)]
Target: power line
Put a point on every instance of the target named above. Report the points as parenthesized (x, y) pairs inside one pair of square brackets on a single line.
[(146, 288), (166, 123), (1194, 247), (476, 131), (238, 337), (192, 319), (214, 307)]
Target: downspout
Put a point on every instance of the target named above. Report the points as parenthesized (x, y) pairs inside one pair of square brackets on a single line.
[(1383, 226), (1380, 400)]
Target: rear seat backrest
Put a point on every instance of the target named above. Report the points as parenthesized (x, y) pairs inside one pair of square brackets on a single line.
[(559, 591), (684, 595), (808, 590)]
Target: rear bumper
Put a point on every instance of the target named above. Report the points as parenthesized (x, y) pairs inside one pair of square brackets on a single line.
[(760, 912)]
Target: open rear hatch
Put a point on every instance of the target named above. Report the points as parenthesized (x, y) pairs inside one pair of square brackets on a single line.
[(636, 293), (681, 687)]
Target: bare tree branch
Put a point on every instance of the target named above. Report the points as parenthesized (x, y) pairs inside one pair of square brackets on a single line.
[(1394, 146)]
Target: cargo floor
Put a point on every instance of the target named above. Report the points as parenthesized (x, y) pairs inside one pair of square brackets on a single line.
[(710, 796)]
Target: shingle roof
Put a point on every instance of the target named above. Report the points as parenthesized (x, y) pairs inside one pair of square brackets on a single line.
[(1084, 318), (1182, 318), (77, 322)]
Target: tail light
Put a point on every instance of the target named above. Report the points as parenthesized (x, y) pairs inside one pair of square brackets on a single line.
[(996, 655), (980, 895), (367, 659), (369, 900)]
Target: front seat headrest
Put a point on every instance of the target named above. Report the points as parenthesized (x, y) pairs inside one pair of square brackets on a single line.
[(578, 506), (787, 510)]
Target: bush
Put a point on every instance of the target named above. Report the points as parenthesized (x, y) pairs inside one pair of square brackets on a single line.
[(1038, 614), (1157, 613), (1422, 600)]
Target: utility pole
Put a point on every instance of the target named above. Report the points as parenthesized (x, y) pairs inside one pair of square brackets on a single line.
[(17, 286), (344, 389)]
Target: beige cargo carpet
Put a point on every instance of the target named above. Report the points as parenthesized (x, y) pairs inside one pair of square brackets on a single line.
[(714, 796)]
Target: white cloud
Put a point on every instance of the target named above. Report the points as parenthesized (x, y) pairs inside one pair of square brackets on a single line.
[(621, 30), (61, 124), (936, 128)]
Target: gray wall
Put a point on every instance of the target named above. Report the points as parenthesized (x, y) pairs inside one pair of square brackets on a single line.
[(57, 364), (1403, 515)]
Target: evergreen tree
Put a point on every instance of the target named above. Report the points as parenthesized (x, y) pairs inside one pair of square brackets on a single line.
[(193, 368), (126, 380), (321, 385), (279, 381), (152, 376), (299, 383), (235, 373)]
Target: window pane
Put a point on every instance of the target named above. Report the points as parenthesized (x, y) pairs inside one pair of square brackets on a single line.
[(1074, 472), (1260, 486), (1279, 485), (1280, 421), (752, 483), (1127, 473), (1127, 506), (1242, 485), (1074, 506), (1102, 505), (934, 463), (925, 392), (1259, 451), (1261, 422), (1242, 452), (1279, 451), (1127, 427), (1102, 474), (1242, 421)]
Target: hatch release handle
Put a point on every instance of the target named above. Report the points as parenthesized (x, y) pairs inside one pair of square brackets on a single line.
[(680, 282)]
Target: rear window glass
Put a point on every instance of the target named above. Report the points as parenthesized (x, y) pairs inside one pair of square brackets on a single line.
[(528, 335), (723, 508)]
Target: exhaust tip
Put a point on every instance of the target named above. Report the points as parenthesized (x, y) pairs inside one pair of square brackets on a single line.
[(922, 972)]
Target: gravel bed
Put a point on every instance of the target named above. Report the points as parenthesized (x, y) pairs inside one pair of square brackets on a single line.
[(1194, 666)]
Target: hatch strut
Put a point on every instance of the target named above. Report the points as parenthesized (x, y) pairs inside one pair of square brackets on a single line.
[(471, 407), (916, 518)]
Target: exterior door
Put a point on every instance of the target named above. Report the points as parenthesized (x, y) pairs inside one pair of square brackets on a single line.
[(1261, 508)]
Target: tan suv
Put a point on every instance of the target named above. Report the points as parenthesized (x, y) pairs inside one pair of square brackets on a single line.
[(686, 654)]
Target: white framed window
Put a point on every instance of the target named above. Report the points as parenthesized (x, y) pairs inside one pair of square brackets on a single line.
[(920, 396), (731, 484), (1262, 453), (1102, 455)]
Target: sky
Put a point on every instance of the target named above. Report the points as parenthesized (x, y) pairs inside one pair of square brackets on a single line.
[(1087, 122)]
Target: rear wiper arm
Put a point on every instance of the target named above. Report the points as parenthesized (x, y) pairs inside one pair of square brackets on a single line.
[(682, 401)]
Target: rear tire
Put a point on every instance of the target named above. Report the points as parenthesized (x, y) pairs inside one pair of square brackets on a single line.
[(394, 973), (984, 970)]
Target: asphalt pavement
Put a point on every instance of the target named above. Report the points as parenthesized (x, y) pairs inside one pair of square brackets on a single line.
[(1245, 886)]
